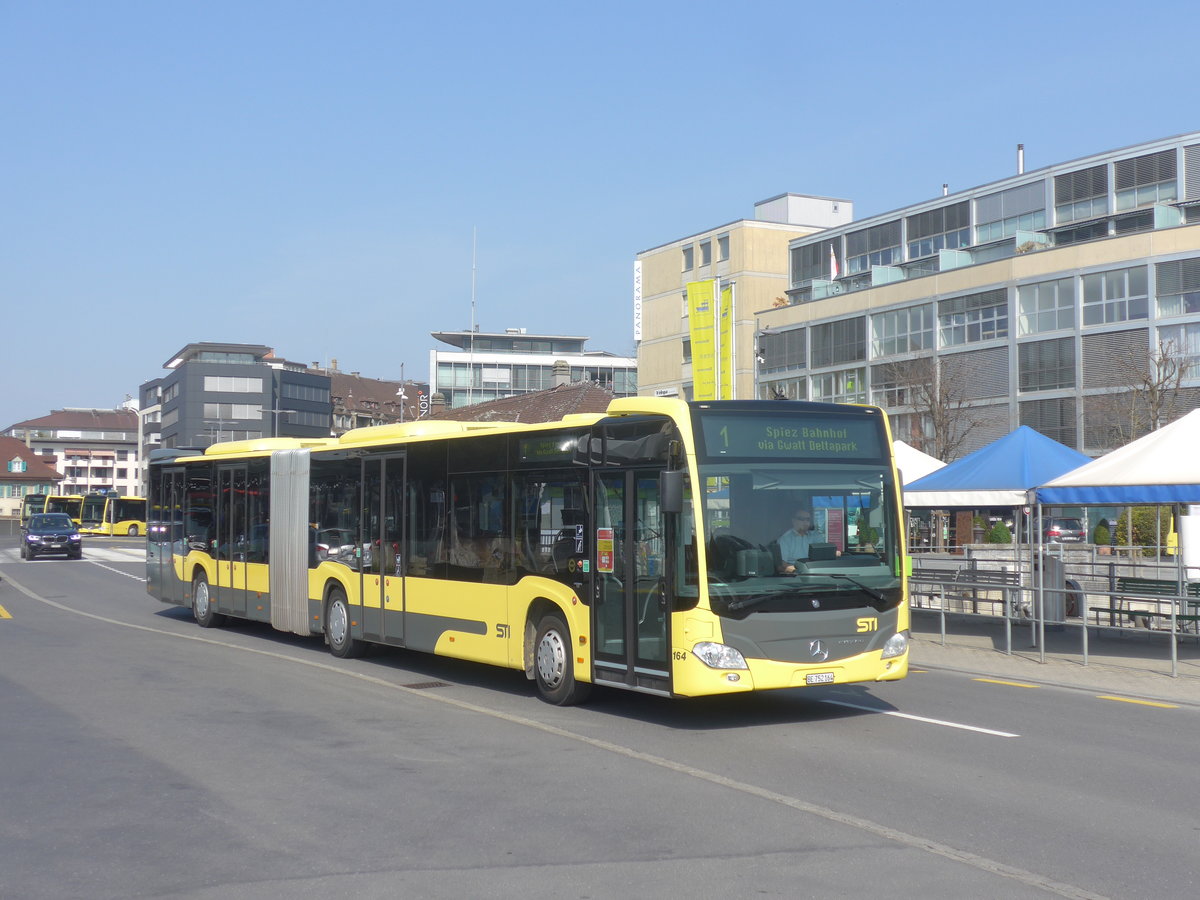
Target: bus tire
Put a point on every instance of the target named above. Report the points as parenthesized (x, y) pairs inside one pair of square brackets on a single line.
[(202, 606), (554, 669), (338, 633), (133, 531)]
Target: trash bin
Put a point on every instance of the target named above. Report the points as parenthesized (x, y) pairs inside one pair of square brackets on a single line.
[(1053, 580)]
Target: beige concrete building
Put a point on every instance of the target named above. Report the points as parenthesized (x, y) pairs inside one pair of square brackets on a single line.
[(751, 255)]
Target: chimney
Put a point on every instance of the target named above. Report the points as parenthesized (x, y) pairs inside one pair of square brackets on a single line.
[(1020, 159), (562, 373), (945, 189), (437, 402)]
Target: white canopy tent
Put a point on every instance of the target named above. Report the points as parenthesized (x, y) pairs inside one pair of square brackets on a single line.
[(1157, 469), (912, 463)]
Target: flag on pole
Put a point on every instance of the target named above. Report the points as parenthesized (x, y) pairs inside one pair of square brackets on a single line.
[(833, 266)]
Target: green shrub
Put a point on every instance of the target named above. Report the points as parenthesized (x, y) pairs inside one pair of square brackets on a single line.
[(1144, 520), (998, 534), (1101, 536)]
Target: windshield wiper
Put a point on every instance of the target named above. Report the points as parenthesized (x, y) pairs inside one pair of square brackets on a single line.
[(750, 600), (881, 602)]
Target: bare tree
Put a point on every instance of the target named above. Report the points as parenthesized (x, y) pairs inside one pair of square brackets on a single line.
[(1146, 394), (930, 400)]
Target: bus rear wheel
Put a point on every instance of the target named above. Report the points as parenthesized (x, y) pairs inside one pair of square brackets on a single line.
[(338, 634), (133, 531), (202, 606), (554, 669)]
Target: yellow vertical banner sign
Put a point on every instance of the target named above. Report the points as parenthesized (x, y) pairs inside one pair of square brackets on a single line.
[(702, 326), (725, 342)]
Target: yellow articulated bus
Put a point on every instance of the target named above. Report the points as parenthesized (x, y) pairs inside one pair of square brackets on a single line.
[(111, 514), (653, 548), (71, 504)]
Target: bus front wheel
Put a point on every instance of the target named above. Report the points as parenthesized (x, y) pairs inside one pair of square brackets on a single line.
[(202, 606), (553, 666), (133, 531), (338, 634)]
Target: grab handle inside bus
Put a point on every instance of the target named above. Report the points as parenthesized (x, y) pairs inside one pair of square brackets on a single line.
[(670, 491)]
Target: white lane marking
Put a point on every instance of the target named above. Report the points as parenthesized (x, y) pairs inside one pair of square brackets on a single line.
[(101, 565), (916, 842), (927, 721)]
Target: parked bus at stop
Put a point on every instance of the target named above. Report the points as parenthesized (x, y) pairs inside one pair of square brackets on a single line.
[(635, 549)]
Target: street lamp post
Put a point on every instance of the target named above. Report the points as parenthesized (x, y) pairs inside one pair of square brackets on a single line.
[(275, 414)]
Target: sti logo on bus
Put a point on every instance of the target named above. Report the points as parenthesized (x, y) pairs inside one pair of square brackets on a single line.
[(870, 623)]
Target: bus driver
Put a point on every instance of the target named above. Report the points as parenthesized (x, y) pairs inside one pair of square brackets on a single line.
[(794, 543)]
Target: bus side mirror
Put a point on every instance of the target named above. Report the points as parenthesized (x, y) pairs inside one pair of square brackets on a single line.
[(670, 491)]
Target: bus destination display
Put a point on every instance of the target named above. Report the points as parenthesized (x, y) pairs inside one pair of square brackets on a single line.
[(775, 437)]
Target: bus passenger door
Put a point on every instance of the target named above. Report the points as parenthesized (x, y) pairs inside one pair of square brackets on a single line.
[(383, 586), (166, 546), (630, 604), (232, 534)]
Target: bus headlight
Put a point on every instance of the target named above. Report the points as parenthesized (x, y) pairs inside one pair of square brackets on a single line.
[(896, 645), (719, 656)]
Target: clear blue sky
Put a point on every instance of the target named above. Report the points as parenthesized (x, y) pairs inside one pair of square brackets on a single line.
[(307, 175)]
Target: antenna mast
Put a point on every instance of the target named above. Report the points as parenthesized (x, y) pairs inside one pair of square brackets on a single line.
[(471, 351)]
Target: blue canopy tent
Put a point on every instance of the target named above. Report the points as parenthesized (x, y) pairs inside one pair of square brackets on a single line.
[(999, 474)]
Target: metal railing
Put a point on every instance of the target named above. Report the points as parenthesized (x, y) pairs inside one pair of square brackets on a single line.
[(1079, 588)]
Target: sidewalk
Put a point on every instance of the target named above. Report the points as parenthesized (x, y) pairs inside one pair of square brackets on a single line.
[(1130, 662)]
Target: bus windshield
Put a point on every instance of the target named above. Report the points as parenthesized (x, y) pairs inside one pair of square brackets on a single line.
[(93, 509), (778, 535), (798, 512)]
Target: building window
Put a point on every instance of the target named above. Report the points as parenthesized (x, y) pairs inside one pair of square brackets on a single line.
[(1081, 195), (17, 465), (782, 351), (901, 383), (1047, 365), (1178, 287), (687, 350), (877, 246), (1145, 180), (945, 228), (1046, 306), (706, 253), (902, 331), (784, 389), (846, 386), (723, 248), (230, 411), (973, 318), (843, 341), (231, 384), (1117, 296), (1005, 213), (812, 261), (1053, 418), (688, 258), (1182, 342)]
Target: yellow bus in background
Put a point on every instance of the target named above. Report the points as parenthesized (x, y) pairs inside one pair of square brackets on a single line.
[(111, 514), (71, 504), (634, 549), (31, 504)]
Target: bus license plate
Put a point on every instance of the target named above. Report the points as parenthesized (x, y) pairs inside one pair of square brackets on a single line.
[(819, 678)]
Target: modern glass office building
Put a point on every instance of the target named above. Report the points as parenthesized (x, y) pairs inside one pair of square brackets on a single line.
[(1065, 298), (491, 365)]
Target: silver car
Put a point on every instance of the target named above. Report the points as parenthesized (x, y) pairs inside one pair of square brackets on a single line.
[(1064, 531)]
